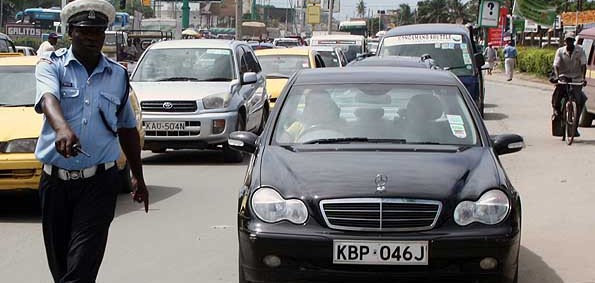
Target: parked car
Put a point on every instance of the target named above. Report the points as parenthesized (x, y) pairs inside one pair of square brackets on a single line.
[(332, 56), (193, 93), (20, 169), (377, 174), (451, 46), (279, 64), (26, 50)]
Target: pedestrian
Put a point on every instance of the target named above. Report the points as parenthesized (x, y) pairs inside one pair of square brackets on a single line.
[(491, 56), (84, 98), (510, 54), (48, 45)]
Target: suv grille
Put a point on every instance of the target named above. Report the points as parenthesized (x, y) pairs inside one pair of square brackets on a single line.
[(380, 214), (169, 106)]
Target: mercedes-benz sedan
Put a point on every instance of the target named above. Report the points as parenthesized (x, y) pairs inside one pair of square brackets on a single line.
[(377, 174)]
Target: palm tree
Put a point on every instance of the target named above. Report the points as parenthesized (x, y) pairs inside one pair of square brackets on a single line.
[(432, 11), (405, 15), (456, 11), (361, 8)]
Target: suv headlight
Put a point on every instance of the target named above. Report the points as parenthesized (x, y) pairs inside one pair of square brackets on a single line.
[(217, 101), (270, 206), (491, 208), (20, 146)]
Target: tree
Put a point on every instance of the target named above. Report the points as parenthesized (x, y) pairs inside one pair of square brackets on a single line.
[(456, 11), (432, 11), (405, 15), (361, 9)]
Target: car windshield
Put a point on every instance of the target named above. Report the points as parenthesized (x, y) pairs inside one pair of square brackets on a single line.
[(185, 64), (330, 58), (447, 50), (17, 85), (284, 65), (379, 113)]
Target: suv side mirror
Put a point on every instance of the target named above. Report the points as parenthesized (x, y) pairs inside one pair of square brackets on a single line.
[(249, 78), (505, 144), (243, 141), (479, 59)]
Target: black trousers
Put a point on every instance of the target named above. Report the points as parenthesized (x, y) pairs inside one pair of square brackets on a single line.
[(76, 216)]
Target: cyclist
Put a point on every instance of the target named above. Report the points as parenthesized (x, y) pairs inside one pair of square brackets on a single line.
[(570, 62)]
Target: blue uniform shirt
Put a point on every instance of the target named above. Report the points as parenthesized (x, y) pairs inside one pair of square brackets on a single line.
[(81, 98), (510, 51)]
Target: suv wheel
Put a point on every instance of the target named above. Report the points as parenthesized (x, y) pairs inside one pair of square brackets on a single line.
[(231, 155)]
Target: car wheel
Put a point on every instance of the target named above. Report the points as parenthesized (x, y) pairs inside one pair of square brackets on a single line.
[(231, 155), (125, 180), (586, 118), (265, 117)]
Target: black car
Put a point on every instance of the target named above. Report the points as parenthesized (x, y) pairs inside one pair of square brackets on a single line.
[(377, 174), (395, 61)]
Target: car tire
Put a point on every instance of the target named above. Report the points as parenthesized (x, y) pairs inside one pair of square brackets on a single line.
[(265, 117), (125, 180), (586, 119), (231, 155)]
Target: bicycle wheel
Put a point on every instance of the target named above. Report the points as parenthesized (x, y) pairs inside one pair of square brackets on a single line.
[(571, 121)]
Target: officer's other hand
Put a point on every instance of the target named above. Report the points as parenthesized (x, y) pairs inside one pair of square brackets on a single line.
[(585, 83), (65, 140), (140, 192)]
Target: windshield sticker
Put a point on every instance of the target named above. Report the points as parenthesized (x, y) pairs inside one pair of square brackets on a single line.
[(444, 45), (455, 119), (456, 37), (422, 39), (451, 46), (437, 45), (463, 45), (218, 51), (466, 58), (458, 131)]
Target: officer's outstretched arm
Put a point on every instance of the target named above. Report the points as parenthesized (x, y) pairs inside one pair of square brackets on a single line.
[(65, 136)]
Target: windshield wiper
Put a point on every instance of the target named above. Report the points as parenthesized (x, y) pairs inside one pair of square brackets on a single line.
[(456, 67), (18, 105), (337, 140), (276, 76), (174, 79), (216, 80)]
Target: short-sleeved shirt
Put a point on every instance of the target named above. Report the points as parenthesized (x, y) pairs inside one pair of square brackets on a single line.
[(44, 48), (570, 64), (510, 51), (82, 99)]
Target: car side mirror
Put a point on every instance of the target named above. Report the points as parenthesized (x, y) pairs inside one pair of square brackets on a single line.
[(249, 78), (505, 144), (479, 59), (243, 141)]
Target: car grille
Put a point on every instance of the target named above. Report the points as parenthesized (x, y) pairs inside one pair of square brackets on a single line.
[(17, 174), (192, 130), (169, 106), (380, 214)]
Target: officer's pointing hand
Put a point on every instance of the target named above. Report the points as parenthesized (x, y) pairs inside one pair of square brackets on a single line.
[(65, 140), (140, 192)]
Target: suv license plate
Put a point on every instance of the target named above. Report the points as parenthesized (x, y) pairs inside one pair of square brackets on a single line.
[(380, 252), (165, 126)]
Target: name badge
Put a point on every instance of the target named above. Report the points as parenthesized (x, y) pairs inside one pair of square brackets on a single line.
[(66, 84)]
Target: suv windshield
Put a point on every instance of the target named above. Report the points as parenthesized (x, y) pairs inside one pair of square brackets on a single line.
[(390, 113), (17, 85), (284, 65), (447, 50), (330, 58), (185, 64)]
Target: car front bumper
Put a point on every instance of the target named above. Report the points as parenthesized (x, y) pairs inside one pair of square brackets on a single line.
[(19, 171), (453, 257), (198, 134)]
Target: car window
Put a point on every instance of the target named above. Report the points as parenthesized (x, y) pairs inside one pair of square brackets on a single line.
[(12, 78), (4, 46), (185, 64), (330, 58), (285, 65), (251, 61), (287, 43), (241, 60), (408, 113), (447, 50), (319, 62)]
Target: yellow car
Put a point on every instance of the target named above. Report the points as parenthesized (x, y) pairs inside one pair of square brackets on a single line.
[(279, 64), (21, 126)]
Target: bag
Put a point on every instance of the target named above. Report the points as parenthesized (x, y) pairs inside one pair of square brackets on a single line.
[(557, 126)]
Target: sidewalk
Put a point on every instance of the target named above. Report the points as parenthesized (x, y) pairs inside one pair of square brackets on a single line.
[(519, 79)]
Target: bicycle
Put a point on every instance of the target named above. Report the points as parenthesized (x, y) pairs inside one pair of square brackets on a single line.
[(569, 112)]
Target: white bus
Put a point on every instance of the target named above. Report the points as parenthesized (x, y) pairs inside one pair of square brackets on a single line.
[(354, 27)]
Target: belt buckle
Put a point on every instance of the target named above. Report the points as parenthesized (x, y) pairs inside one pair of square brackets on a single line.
[(74, 175)]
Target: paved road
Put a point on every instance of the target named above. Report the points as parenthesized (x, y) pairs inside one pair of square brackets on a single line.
[(189, 234)]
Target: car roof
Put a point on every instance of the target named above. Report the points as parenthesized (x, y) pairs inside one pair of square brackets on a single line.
[(370, 75), (19, 61), (4, 36), (390, 61), (284, 51), (338, 36), (286, 39), (324, 47), (427, 29), (195, 43)]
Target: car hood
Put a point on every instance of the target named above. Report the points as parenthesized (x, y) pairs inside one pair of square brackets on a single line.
[(344, 174), (24, 123), (275, 86), (177, 90)]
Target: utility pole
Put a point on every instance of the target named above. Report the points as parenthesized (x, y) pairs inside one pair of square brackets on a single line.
[(1, 14), (239, 13), (185, 14), (330, 16)]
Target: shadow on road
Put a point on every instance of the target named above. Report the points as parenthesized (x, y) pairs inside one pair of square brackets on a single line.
[(190, 157), (19, 207), (490, 105), (494, 116), (533, 269), (583, 142), (156, 194)]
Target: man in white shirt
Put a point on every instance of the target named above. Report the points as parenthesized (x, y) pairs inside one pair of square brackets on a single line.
[(49, 45)]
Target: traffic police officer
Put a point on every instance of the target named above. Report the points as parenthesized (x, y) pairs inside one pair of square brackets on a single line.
[(84, 98)]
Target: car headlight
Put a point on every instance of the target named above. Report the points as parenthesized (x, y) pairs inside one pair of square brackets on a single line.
[(20, 146), (217, 101), (491, 208), (270, 206)]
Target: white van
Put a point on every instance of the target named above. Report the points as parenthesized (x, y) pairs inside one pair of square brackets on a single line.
[(352, 45)]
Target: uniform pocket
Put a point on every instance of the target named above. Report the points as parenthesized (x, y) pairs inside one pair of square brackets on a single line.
[(108, 106), (70, 102)]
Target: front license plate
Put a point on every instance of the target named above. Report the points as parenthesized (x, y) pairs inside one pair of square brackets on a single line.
[(380, 252), (165, 126)]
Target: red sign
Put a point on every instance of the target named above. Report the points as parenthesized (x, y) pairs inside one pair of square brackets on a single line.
[(495, 34)]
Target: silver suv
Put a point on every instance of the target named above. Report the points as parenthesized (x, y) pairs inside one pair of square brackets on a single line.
[(193, 93)]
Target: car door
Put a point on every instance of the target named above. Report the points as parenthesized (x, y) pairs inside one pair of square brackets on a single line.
[(256, 98)]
